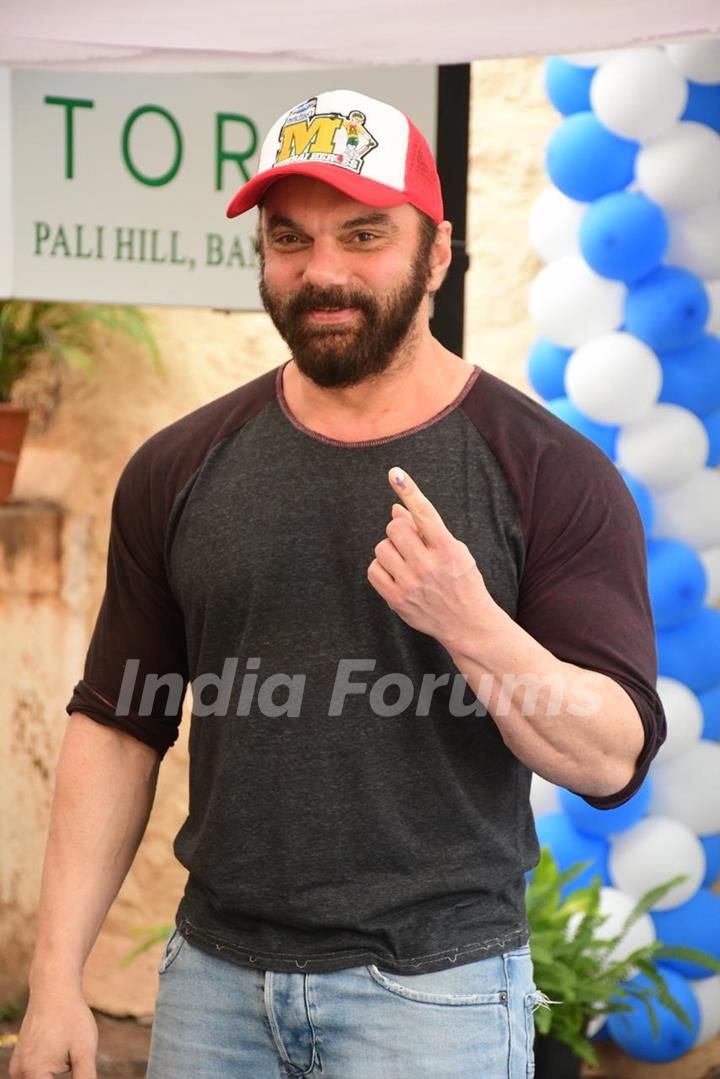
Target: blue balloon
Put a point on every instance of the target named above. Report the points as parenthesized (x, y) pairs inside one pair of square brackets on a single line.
[(691, 375), (602, 1034), (633, 1032), (711, 846), (710, 704), (703, 104), (643, 501), (568, 85), (585, 160), (677, 582), (546, 365), (587, 818), (668, 308), (694, 924), (602, 434), (624, 236), (569, 846), (691, 652), (711, 424)]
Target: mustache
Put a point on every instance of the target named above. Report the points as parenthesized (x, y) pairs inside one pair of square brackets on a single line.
[(313, 299)]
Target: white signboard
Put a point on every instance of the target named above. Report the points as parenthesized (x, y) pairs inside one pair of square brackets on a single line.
[(113, 187)]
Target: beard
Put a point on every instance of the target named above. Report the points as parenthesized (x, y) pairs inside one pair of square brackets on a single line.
[(335, 355)]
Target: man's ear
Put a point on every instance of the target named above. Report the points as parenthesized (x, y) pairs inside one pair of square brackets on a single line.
[(440, 256), (259, 246)]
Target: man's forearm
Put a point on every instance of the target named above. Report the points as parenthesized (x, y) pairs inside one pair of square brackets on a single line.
[(104, 790), (576, 727)]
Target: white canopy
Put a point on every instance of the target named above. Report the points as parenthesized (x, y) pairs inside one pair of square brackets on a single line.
[(227, 36)]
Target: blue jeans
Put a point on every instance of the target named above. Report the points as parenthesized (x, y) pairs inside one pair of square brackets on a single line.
[(215, 1019)]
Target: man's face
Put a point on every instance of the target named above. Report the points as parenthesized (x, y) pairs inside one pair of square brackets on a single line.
[(342, 281)]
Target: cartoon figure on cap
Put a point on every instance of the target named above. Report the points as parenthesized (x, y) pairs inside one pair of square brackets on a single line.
[(359, 140)]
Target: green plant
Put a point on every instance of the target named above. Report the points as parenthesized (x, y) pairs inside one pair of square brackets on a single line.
[(150, 935), (63, 333), (572, 963)]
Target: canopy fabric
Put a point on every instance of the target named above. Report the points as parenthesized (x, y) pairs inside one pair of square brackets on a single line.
[(224, 36)]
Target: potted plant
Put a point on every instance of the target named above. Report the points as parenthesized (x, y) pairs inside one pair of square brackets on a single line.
[(62, 334), (576, 970)]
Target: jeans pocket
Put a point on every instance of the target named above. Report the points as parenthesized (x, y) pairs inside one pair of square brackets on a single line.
[(533, 1001), (480, 982), (173, 946)]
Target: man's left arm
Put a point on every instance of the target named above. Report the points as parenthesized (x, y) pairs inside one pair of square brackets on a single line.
[(575, 725)]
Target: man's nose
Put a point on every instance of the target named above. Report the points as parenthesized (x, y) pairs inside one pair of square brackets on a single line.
[(326, 265)]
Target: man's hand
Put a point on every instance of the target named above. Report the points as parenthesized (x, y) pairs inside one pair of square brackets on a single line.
[(58, 1036), (423, 572)]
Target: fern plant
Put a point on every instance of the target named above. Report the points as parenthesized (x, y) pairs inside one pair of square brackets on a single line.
[(573, 964), (63, 333)]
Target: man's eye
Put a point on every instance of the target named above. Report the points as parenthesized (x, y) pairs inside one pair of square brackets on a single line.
[(365, 237), (286, 239)]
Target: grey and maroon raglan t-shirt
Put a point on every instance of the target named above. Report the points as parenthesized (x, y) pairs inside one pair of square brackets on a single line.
[(350, 800)]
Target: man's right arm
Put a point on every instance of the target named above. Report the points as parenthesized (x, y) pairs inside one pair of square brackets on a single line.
[(104, 791)]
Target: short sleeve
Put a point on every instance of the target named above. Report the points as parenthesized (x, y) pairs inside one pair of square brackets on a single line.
[(583, 591), (139, 634)]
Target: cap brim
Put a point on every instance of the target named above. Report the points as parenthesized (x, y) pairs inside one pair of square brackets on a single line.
[(356, 187)]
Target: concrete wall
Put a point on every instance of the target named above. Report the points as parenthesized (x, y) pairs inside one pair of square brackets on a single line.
[(76, 462)]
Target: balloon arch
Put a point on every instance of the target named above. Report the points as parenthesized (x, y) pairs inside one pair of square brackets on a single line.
[(628, 308)]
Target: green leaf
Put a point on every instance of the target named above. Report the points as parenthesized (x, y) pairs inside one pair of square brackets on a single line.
[(152, 935), (64, 333), (689, 955)]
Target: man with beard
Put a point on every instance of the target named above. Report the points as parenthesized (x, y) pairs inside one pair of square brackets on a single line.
[(406, 587)]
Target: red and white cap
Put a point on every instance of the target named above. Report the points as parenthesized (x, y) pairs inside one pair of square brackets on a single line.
[(367, 149)]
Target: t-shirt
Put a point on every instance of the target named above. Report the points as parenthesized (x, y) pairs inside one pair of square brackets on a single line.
[(332, 820)]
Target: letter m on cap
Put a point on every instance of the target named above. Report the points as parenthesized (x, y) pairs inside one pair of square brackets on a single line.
[(316, 137)]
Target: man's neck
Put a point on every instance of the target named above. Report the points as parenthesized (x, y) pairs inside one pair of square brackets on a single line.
[(412, 390)]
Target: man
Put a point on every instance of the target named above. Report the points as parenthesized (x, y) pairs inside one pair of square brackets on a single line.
[(398, 586)]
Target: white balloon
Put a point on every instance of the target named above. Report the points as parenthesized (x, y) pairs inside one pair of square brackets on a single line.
[(664, 447), (639, 94), (594, 1025), (652, 852), (614, 378), (695, 240), (681, 170), (710, 558), (570, 303), (555, 224), (690, 512), (688, 788), (684, 715), (713, 290), (617, 905), (544, 796), (698, 60), (707, 991), (591, 58)]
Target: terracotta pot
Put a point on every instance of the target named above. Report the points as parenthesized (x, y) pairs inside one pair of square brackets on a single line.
[(13, 425)]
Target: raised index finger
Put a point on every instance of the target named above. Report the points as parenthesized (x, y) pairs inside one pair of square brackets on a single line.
[(428, 521)]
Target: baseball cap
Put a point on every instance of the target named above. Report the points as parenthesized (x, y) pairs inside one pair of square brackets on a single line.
[(367, 149)]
